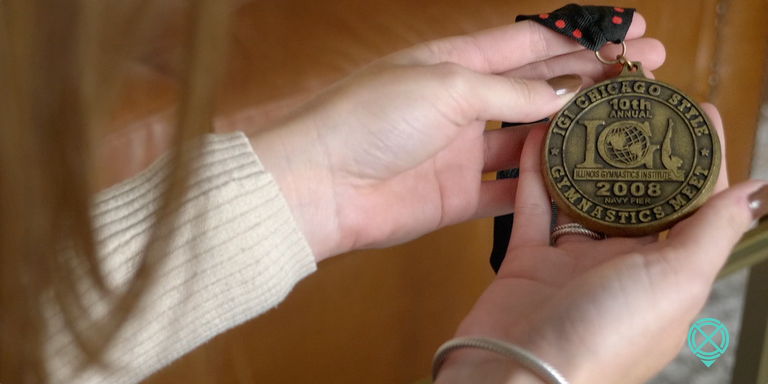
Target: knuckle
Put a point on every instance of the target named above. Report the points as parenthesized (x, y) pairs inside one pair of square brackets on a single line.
[(546, 71), (446, 50), (523, 90), (453, 94), (465, 49), (532, 210), (538, 42), (450, 75), (529, 169), (734, 222), (487, 152), (434, 50)]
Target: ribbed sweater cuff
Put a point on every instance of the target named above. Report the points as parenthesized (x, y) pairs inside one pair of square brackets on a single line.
[(236, 252)]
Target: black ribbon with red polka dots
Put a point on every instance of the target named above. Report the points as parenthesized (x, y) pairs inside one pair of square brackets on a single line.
[(591, 26)]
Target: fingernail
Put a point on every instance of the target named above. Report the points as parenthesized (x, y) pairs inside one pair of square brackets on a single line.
[(758, 202), (565, 84)]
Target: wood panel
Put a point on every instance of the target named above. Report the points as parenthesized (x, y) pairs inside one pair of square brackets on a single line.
[(284, 51), (739, 87), (377, 316), (295, 46)]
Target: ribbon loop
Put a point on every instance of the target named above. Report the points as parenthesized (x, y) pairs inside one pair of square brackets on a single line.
[(590, 26)]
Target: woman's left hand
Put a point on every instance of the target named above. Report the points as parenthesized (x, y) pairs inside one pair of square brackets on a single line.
[(600, 311), (398, 149)]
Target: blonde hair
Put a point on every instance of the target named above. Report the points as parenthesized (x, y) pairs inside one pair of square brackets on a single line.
[(60, 67)]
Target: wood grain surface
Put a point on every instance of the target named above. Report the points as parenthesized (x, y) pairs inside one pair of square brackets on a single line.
[(378, 316)]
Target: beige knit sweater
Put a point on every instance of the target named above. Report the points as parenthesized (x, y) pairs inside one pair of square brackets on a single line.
[(237, 253)]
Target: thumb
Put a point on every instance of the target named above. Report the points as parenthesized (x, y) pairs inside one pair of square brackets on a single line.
[(703, 242), (519, 100)]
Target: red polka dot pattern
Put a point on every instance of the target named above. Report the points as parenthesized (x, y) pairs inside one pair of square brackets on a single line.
[(590, 26)]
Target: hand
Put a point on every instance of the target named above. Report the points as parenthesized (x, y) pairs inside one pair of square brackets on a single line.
[(605, 311), (398, 149)]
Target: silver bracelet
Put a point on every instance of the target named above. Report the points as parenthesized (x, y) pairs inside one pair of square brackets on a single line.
[(545, 371)]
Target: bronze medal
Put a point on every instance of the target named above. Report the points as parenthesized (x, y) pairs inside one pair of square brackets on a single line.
[(630, 156)]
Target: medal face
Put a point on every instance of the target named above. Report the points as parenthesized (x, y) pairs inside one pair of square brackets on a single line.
[(630, 156)]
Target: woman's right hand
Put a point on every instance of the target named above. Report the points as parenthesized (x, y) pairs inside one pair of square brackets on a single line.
[(398, 149)]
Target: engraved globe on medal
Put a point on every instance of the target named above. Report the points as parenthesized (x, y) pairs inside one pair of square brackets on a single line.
[(630, 156)]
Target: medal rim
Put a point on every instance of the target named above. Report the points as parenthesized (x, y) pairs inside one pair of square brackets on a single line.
[(623, 230)]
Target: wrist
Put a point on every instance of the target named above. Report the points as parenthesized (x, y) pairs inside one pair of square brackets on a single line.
[(296, 162), (532, 336), (480, 366)]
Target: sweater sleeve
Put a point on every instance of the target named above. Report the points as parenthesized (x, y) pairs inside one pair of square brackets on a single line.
[(236, 253)]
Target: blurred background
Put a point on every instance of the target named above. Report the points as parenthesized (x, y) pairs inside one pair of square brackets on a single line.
[(378, 316)]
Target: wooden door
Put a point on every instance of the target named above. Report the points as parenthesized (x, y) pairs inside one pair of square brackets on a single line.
[(378, 316)]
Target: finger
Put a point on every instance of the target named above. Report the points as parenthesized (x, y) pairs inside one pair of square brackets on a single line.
[(612, 246), (503, 147), (702, 243), (500, 49), (714, 116), (617, 247), (492, 97), (533, 208), (650, 52), (497, 198)]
